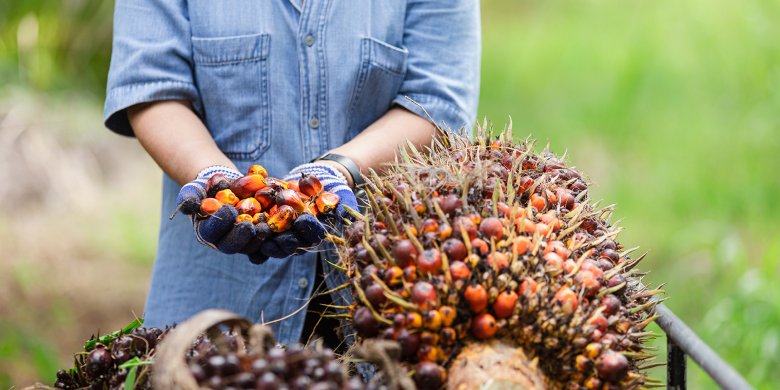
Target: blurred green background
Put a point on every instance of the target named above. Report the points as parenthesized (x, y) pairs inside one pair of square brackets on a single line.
[(672, 108)]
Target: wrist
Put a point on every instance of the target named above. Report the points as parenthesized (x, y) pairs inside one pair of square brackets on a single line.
[(341, 169)]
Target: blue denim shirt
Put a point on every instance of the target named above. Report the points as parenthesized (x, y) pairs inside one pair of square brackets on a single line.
[(279, 82)]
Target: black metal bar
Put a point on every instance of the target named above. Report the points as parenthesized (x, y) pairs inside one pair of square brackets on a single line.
[(675, 366), (683, 337)]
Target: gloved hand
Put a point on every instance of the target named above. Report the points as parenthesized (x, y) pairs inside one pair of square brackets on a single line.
[(308, 231)]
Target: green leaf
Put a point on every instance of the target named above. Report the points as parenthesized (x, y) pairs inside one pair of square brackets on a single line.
[(130, 379), (135, 362), (109, 338)]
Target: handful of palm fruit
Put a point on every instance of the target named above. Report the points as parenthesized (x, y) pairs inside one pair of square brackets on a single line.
[(486, 241), (271, 204)]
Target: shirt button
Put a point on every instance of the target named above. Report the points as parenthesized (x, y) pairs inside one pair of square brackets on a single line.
[(303, 282), (314, 122), (309, 40)]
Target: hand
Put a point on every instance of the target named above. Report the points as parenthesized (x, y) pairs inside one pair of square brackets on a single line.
[(308, 231)]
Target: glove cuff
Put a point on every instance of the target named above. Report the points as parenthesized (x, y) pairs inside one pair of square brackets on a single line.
[(229, 173), (315, 169)]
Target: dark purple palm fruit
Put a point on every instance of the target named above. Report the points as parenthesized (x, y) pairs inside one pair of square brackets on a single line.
[(67, 381), (99, 363)]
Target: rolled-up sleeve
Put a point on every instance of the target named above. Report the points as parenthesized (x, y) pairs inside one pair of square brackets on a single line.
[(444, 42), (151, 58)]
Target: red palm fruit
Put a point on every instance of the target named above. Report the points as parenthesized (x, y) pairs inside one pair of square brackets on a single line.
[(528, 287), (448, 314), (480, 246), (429, 262), (293, 185), (492, 227), (557, 247), (432, 320), (309, 185), (273, 210), (553, 263), (530, 163), (521, 245), (257, 170), (276, 184), (611, 255), (217, 182), (365, 323), (475, 218), (448, 336), (248, 206), (459, 270), (592, 267), (429, 375), (243, 218), (393, 276), (454, 249), (389, 334), (410, 274), (538, 202), (504, 209), (612, 366), (449, 204), (260, 218), (611, 304), (483, 326), (565, 198), (210, 206), (413, 320), (445, 231), (424, 295), (593, 350), (326, 201), (567, 299), (543, 229), (464, 224), (498, 260), (282, 219), (524, 225), (477, 297), (550, 220), (266, 197), (375, 295), (598, 322), (290, 198), (227, 197), (430, 225), (404, 252), (551, 196), (505, 304), (410, 342), (569, 265), (246, 186), (590, 285)]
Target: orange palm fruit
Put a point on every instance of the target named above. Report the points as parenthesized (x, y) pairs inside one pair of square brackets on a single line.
[(293, 185), (528, 286), (257, 169), (311, 208), (217, 182), (484, 326), (521, 245), (432, 320), (248, 206), (210, 206), (276, 183), (326, 201), (266, 197), (244, 218), (429, 262), (459, 270), (498, 260), (477, 297), (505, 304), (281, 220), (538, 202), (447, 315), (260, 217), (290, 198), (430, 225), (227, 197), (309, 185), (414, 320), (567, 299), (246, 186)]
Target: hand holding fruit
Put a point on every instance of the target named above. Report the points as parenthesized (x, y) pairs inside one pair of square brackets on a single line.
[(258, 215)]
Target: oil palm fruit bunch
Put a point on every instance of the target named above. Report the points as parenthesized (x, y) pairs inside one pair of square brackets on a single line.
[(270, 205), (107, 361), (485, 240)]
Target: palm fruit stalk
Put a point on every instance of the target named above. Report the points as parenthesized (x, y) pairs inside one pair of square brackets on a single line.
[(486, 240)]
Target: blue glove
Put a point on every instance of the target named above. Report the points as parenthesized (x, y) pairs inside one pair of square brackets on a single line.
[(218, 231), (307, 231)]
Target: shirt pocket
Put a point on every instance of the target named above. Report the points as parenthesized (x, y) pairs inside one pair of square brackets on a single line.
[(382, 71), (232, 76)]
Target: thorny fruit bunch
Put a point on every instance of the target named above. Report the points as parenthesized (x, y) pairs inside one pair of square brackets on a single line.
[(486, 239), (270, 204)]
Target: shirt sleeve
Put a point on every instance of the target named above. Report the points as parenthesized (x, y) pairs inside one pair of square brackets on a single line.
[(151, 58), (444, 42)]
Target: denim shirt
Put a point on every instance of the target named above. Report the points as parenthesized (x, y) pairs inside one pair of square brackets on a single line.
[(279, 82)]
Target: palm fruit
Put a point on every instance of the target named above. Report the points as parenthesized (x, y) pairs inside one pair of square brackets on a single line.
[(524, 260)]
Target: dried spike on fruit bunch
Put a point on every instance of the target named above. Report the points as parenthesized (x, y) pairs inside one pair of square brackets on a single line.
[(525, 261)]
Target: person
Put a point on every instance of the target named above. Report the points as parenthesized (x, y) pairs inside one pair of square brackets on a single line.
[(216, 86)]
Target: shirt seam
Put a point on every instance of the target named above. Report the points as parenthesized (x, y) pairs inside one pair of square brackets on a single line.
[(129, 87)]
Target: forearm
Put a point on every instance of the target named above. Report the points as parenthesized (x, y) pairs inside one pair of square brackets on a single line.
[(175, 138), (379, 142)]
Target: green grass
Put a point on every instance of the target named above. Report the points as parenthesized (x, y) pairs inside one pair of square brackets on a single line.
[(670, 107)]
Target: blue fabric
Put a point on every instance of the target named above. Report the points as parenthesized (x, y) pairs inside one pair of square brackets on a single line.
[(271, 96)]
